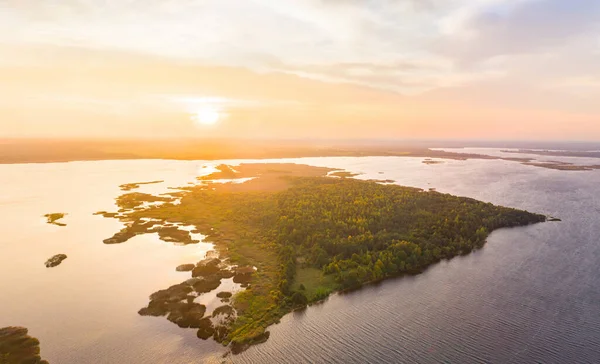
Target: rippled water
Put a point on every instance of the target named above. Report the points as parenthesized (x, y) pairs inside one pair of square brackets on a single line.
[(530, 295)]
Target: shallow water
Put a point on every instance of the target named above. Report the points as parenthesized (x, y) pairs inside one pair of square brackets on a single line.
[(530, 295)]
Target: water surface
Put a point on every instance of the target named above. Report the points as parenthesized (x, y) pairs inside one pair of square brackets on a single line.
[(530, 295)]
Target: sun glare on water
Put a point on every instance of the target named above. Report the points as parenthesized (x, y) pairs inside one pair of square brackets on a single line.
[(207, 116)]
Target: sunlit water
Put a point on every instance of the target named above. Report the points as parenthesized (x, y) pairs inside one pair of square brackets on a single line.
[(530, 295)]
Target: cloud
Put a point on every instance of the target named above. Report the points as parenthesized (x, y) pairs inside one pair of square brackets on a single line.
[(229, 32), (532, 26)]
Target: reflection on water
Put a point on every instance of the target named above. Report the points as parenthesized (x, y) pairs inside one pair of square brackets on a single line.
[(530, 295), (85, 310)]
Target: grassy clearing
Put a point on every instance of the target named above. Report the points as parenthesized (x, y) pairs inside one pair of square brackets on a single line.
[(316, 284)]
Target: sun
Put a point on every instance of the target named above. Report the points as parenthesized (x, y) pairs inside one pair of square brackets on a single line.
[(207, 116)]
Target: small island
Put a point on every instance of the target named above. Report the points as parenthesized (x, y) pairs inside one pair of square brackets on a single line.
[(54, 217), (290, 235), (17, 347), (431, 161), (55, 260)]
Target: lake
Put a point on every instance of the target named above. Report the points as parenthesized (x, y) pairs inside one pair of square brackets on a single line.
[(530, 295)]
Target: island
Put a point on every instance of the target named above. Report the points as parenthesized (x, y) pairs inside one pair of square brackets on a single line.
[(17, 347), (54, 217), (289, 235), (55, 260), (562, 166)]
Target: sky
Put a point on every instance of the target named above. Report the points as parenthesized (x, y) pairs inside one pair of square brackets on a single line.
[(406, 69)]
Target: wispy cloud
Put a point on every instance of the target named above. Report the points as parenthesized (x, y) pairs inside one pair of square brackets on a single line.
[(312, 33)]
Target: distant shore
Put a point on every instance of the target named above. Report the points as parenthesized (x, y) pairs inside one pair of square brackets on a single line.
[(53, 151), (22, 151)]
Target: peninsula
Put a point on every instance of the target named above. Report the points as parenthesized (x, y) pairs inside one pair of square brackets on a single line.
[(291, 236)]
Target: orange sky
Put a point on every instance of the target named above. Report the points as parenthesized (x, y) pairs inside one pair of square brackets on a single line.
[(75, 71)]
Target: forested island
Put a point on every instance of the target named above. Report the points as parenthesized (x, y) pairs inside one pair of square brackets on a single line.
[(293, 236)]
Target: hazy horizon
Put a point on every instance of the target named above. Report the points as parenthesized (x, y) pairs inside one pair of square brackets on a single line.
[(308, 140), (484, 69)]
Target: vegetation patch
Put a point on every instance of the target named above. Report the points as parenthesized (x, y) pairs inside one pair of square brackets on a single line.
[(387, 181), (176, 303), (343, 174), (562, 166), (132, 200), (107, 214), (185, 267), (225, 310), (165, 232), (54, 217), (431, 161), (224, 294)]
